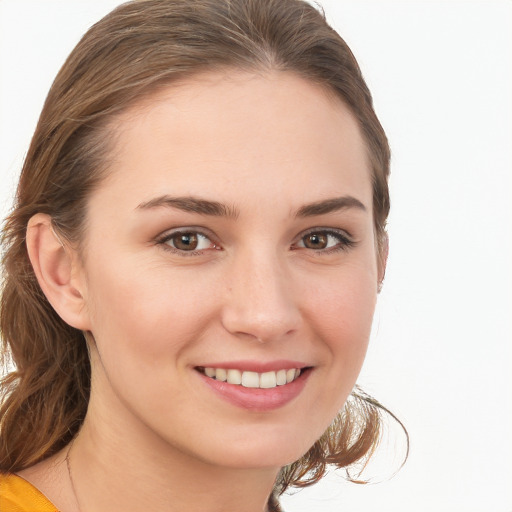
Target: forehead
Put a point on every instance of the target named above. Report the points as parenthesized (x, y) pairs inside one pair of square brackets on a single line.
[(240, 134)]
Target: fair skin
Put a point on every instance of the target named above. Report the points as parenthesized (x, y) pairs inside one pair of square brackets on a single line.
[(280, 272)]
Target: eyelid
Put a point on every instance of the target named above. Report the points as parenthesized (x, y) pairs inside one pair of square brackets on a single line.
[(186, 229), (324, 229)]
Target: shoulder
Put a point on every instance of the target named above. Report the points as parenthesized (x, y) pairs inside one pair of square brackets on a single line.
[(18, 495)]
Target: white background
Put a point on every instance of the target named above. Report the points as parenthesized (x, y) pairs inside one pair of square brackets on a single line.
[(441, 353)]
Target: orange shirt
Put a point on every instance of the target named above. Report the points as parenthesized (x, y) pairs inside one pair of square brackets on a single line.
[(17, 495)]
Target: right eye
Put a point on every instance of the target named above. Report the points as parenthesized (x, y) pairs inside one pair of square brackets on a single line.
[(187, 241)]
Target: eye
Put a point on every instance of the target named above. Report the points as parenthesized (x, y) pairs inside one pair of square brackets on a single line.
[(325, 240), (187, 241)]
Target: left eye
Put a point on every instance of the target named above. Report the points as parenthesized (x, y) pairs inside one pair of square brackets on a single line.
[(188, 241), (321, 240)]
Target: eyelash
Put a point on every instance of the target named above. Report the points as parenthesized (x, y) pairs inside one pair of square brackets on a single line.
[(344, 243)]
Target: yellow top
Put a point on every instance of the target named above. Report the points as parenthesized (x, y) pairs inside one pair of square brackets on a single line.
[(17, 495)]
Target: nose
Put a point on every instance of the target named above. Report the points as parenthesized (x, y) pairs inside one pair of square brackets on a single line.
[(260, 303)]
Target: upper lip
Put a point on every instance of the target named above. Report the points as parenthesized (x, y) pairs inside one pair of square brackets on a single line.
[(256, 366)]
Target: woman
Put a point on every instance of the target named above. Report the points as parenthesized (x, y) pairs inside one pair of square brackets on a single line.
[(192, 264)]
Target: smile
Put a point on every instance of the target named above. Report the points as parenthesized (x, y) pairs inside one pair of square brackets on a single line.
[(257, 391), (248, 379)]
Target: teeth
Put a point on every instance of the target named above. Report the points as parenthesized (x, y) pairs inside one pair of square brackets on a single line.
[(265, 380), (210, 372), (268, 380), (281, 377), (234, 377), (221, 374), (250, 380), (290, 375)]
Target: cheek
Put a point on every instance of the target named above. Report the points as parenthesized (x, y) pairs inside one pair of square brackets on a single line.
[(341, 313), (144, 310), (344, 302)]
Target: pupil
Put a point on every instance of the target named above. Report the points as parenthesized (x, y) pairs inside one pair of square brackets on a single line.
[(316, 241), (186, 241)]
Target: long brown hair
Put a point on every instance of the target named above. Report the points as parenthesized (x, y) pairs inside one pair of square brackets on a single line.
[(137, 48)]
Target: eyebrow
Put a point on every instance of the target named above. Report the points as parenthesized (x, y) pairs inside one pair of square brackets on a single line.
[(332, 205), (216, 209), (191, 204)]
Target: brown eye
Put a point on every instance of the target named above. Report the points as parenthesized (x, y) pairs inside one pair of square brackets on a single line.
[(316, 240), (185, 241), (325, 241)]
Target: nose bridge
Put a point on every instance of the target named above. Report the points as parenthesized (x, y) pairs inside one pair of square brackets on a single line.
[(260, 301)]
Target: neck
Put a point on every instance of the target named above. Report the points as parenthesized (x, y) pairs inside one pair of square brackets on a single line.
[(116, 466)]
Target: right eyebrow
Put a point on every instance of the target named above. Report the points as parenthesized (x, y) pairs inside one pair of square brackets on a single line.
[(191, 204)]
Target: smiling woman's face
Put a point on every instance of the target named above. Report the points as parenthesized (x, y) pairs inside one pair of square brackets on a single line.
[(233, 239)]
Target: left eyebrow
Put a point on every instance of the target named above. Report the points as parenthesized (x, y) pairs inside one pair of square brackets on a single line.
[(334, 204)]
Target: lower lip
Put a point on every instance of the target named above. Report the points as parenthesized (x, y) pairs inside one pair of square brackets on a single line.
[(257, 399)]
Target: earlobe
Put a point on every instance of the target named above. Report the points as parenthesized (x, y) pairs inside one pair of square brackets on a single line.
[(54, 265)]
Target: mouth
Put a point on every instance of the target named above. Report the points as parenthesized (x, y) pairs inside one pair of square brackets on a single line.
[(257, 386), (251, 379), (247, 379), (255, 391)]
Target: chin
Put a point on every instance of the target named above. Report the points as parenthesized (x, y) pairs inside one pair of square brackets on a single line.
[(261, 458), (259, 450)]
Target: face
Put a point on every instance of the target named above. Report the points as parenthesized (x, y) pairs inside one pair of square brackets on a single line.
[(233, 239)]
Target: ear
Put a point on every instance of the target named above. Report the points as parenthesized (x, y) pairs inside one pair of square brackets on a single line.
[(56, 268), (382, 259)]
